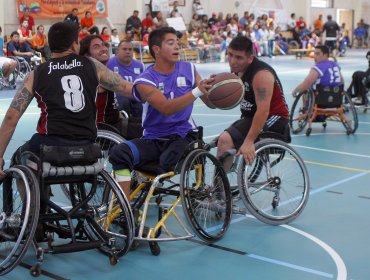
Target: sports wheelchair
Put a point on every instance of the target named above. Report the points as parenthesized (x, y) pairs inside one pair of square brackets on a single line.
[(97, 215), (198, 183), (325, 104), (275, 187)]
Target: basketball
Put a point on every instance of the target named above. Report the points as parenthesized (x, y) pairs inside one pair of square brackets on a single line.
[(227, 91)]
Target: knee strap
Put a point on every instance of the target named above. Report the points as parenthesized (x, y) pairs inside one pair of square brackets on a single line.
[(135, 152)]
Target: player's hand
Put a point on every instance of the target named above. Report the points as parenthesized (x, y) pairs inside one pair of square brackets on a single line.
[(248, 152), (205, 84), (2, 174)]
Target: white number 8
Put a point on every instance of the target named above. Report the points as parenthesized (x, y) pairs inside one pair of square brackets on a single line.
[(73, 93)]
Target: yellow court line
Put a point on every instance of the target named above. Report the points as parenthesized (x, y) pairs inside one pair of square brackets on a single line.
[(336, 166)]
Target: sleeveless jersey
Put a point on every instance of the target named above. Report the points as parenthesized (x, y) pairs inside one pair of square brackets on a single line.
[(65, 89), (106, 105), (248, 107), (329, 73), (173, 85)]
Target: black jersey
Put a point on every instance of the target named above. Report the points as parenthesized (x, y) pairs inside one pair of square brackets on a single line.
[(66, 89), (248, 107), (331, 28)]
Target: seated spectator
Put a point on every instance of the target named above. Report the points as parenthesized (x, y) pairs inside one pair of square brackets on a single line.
[(133, 22), (145, 42), (233, 27), (147, 22), (84, 32), (40, 42), (73, 16), (313, 41), (15, 48), (25, 34), (105, 34), (114, 38), (359, 34), (159, 20), (26, 16), (88, 21)]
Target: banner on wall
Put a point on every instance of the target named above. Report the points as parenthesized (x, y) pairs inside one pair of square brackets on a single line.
[(60, 8)]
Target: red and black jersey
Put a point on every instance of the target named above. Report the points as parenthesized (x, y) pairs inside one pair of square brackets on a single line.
[(66, 89), (106, 104), (248, 107)]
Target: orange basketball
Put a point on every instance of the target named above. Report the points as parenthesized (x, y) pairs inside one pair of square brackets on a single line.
[(227, 91)]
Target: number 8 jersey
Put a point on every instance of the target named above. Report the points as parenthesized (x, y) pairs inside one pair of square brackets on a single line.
[(66, 89)]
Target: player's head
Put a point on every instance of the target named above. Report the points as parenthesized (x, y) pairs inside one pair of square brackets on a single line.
[(63, 36), (160, 35), (125, 52), (321, 53), (94, 46), (240, 53)]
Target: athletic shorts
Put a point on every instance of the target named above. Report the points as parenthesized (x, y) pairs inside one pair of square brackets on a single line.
[(239, 129)]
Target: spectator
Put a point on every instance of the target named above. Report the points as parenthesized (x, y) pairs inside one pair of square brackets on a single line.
[(344, 41), (129, 69), (40, 42), (360, 34), (198, 8), (194, 23), (147, 22), (292, 22), (272, 19), (159, 20), (73, 17), (84, 32), (133, 23), (114, 38), (301, 22), (25, 34), (233, 27), (88, 21), (318, 25), (243, 22), (212, 20), (15, 48), (174, 12), (26, 16), (105, 34)]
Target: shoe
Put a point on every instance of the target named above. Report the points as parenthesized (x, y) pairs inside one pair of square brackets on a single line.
[(357, 101), (35, 58)]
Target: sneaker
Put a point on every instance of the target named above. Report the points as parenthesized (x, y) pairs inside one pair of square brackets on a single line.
[(35, 58)]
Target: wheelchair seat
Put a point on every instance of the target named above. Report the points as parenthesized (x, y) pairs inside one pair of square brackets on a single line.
[(329, 97)]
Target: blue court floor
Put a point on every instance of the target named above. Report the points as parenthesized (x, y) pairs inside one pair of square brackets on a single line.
[(330, 240)]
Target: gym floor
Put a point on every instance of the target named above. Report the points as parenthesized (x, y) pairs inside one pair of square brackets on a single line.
[(329, 240)]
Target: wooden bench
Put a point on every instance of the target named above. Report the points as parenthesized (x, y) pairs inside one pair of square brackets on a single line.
[(189, 55), (145, 57), (299, 53)]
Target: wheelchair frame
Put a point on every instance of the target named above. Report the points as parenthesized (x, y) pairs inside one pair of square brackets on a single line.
[(305, 110), (94, 220)]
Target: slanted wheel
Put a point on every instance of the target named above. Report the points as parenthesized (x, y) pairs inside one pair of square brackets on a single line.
[(110, 218), (351, 124), (20, 206), (301, 111), (205, 195), (280, 192)]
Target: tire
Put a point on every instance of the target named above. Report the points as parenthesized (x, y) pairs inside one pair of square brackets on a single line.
[(280, 187), (301, 111), (351, 114), (19, 215), (205, 195), (112, 217)]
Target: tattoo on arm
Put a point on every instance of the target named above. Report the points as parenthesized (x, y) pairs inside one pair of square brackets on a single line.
[(108, 79), (261, 93), (22, 98)]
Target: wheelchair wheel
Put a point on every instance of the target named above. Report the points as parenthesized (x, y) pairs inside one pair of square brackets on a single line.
[(205, 195), (20, 207), (275, 188), (111, 220), (351, 124), (301, 111)]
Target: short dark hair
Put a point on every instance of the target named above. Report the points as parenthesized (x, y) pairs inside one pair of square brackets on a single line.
[(156, 37), (124, 41), (324, 49), (85, 44), (38, 27), (61, 35), (242, 43), (14, 33)]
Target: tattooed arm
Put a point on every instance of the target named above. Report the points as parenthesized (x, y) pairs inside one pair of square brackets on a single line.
[(16, 109), (263, 86), (112, 81)]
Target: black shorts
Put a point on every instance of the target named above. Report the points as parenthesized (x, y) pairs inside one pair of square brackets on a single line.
[(239, 129), (331, 44)]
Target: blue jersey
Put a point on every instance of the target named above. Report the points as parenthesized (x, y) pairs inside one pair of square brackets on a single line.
[(1, 45), (173, 85), (329, 73), (129, 73)]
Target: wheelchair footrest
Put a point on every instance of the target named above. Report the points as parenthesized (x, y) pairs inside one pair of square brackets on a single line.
[(76, 247)]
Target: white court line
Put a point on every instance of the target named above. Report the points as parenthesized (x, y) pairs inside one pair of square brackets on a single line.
[(329, 151), (216, 115)]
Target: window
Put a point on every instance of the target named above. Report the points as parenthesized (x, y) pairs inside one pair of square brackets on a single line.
[(321, 3)]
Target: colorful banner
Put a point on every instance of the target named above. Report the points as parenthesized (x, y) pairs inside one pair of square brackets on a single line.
[(60, 8)]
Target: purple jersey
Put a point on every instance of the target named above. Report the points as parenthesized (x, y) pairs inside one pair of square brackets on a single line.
[(329, 73), (173, 85)]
